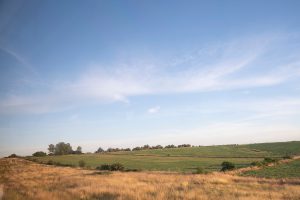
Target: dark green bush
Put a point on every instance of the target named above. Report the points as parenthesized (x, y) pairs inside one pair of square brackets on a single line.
[(39, 154), (117, 167), (112, 167), (81, 163), (103, 167), (256, 163), (227, 166), (267, 161)]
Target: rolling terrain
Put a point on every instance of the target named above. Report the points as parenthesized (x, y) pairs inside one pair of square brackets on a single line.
[(21, 179), (186, 159)]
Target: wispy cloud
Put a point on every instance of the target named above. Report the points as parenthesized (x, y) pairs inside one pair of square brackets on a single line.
[(24, 63), (154, 110), (227, 66)]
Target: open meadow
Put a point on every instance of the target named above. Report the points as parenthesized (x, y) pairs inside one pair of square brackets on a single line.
[(186, 159)]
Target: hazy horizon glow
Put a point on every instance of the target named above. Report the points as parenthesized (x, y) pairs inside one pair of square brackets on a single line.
[(129, 73)]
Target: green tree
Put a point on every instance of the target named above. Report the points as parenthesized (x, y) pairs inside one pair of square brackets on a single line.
[(63, 148), (39, 154), (99, 150), (51, 148), (78, 150)]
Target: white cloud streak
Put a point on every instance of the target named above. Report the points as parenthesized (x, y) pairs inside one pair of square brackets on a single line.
[(154, 110), (219, 68)]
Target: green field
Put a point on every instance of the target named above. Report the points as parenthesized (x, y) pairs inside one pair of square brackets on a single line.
[(284, 170), (182, 159)]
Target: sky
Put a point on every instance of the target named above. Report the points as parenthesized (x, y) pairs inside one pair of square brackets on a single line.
[(127, 73)]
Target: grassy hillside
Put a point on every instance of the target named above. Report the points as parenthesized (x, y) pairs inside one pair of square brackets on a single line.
[(277, 148), (283, 170), (182, 159), (223, 151)]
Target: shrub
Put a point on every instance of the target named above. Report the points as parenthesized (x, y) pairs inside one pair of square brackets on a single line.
[(81, 163), (117, 167), (112, 167), (256, 163), (39, 154), (227, 166), (267, 161), (103, 167)]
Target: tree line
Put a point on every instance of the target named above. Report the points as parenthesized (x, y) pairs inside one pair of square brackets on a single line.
[(138, 148), (63, 148)]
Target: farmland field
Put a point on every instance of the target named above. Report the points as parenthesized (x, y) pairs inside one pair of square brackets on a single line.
[(181, 159)]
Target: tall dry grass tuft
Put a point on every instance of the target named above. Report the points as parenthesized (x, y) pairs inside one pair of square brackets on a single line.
[(25, 180)]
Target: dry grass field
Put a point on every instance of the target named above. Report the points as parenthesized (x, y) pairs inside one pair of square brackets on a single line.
[(21, 179)]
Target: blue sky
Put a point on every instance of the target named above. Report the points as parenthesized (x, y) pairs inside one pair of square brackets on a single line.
[(128, 73)]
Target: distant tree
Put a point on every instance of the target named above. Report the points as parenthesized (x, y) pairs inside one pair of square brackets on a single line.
[(157, 147), (63, 148), (136, 149), (146, 146), (78, 150), (170, 146), (110, 150), (99, 150), (39, 154), (51, 148), (127, 149), (184, 145)]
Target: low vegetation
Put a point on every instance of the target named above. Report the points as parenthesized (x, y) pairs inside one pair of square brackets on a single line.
[(112, 167), (39, 154)]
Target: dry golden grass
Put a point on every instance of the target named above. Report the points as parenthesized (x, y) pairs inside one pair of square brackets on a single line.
[(22, 179)]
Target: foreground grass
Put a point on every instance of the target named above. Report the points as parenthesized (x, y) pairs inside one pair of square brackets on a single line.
[(282, 170), (22, 179)]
